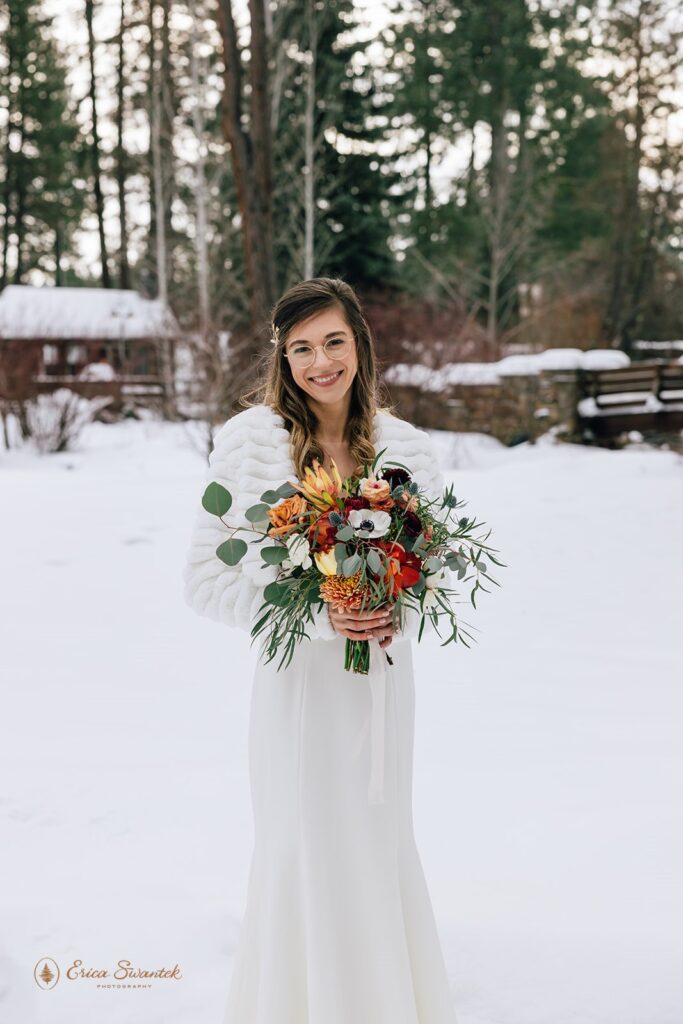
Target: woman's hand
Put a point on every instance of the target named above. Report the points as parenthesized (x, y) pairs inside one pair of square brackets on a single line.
[(357, 625)]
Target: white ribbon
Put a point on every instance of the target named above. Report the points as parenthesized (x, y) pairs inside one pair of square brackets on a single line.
[(377, 680)]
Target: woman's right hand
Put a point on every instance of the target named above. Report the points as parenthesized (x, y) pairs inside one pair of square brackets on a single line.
[(357, 625)]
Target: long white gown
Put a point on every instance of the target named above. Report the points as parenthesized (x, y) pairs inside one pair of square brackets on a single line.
[(339, 926)]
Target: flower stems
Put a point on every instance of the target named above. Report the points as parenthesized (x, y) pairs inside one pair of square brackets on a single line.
[(357, 656)]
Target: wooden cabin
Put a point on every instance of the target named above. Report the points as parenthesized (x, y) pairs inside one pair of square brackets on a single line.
[(96, 341)]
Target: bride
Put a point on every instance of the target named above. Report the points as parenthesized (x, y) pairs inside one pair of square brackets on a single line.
[(339, 926)]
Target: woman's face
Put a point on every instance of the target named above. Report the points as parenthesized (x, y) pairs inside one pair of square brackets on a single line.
[(328, 377)]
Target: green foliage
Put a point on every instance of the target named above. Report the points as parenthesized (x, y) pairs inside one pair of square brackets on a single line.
[(216, 499), (42, 198), (353, 187), (274, 555), (232, 551), (257, 513)]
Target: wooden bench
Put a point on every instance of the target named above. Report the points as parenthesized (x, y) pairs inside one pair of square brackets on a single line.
[(645, 396)]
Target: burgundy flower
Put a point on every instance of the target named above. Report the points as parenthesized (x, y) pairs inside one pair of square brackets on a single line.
[(321, 532), (411, 524), (395, 475), (355, 503)]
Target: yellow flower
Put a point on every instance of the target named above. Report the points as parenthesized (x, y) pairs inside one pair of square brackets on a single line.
[(326, 562), (318, 487)]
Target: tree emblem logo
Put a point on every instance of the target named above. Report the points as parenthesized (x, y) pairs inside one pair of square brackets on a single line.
[(46, 972)]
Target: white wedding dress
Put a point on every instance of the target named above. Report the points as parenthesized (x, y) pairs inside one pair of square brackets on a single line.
[(339, 926)]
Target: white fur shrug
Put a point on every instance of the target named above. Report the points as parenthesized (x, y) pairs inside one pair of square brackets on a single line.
[(251, 455)]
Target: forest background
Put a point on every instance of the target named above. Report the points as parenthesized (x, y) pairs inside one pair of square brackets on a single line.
[(491, 177)]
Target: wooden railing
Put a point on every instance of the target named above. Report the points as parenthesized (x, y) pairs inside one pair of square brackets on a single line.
[(144, 389)]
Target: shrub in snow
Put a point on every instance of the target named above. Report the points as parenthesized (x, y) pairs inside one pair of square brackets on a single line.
[(56, 419)]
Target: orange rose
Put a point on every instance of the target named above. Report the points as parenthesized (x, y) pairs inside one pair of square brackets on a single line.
[(285, 516), (378, 493)]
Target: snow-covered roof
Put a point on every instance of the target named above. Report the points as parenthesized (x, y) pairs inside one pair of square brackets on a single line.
[(519, 365), (27, 311)]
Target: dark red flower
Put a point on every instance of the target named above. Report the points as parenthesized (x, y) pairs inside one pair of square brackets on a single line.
[(411, 524), (321, 532), (355, 503), (395, 475), (405, 567)]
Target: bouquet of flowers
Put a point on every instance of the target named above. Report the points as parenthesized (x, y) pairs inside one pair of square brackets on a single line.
[(359, 543)]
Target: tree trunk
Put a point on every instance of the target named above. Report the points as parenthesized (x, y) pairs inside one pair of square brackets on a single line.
[(9, 168), (498, 189), (198, 109), (95, 148), (251, 154), (309, 146), (58, 256), (124, 267), (157, 168), (19, 193)]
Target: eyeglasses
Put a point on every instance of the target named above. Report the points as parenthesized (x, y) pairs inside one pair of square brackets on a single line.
[(302, 356)]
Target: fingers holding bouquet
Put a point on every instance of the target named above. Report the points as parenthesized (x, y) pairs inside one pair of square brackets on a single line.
[(357, 625)]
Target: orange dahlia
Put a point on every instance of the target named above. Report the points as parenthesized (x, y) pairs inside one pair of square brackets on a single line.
[(285, 516), (344, 592)]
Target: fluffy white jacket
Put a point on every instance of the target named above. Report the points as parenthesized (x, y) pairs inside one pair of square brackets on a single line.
[(251, 455)]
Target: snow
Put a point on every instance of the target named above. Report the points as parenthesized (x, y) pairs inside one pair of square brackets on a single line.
[(27, 311), (548, 760), (604, 359), (515, 365), (677, 345), (97, 372), (633, 403), (588, 407)]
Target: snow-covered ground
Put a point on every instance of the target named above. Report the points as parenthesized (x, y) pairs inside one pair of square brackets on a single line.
[(554, 742)]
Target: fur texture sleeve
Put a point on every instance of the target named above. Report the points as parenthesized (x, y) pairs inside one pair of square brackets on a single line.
[(250, 455)]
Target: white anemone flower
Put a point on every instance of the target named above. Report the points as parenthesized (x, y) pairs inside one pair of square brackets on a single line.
[(369, 522), (299, 551)]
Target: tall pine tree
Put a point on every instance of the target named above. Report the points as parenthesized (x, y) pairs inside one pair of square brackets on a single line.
[(41, 199)]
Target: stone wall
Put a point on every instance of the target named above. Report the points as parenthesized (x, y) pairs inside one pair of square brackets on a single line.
[(518, 408)]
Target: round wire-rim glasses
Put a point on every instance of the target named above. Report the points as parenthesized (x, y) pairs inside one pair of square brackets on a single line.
[(303, 356)]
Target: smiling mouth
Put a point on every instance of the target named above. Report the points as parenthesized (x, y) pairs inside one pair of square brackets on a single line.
[(327, 379)]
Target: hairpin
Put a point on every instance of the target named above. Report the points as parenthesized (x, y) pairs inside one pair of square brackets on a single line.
[(275, 340)]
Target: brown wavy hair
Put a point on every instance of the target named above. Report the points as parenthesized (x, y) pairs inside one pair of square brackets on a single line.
[(277, 388)]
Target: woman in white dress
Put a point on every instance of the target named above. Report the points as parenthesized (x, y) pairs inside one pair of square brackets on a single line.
[(339, 926)]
